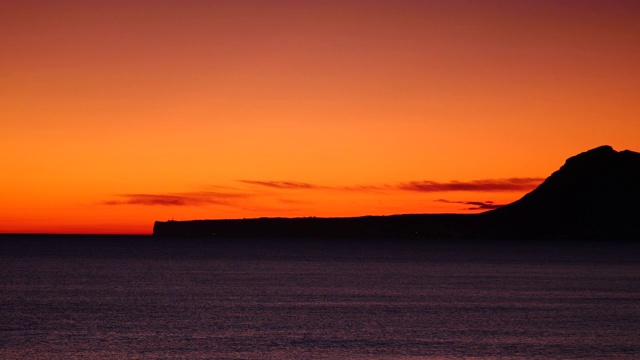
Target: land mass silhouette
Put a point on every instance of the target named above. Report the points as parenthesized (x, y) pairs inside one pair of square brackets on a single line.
[(594, 195)]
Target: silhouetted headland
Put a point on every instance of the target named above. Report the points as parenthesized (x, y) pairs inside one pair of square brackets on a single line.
[(594, 195)]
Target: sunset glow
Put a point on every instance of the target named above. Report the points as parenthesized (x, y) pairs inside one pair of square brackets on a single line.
[(114, 114)]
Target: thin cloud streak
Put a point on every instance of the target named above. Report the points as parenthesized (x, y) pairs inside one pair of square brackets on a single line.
[(295, 185), (282, 184), (477, 205), (232, 198), (178, 199), (486, 185)]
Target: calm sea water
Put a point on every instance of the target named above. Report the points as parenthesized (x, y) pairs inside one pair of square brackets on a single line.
[(143, 298)]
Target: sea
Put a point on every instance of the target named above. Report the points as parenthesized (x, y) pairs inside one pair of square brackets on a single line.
[(140, 297)]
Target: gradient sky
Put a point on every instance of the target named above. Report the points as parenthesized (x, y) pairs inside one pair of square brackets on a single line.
[(114, 114)]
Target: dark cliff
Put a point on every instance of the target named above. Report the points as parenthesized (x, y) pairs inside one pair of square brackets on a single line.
[(594, 195), (393, 226)]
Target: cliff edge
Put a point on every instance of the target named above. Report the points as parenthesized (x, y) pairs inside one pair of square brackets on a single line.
[(594, 195)]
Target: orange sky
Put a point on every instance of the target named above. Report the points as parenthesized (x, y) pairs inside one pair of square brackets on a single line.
[(114, 114)]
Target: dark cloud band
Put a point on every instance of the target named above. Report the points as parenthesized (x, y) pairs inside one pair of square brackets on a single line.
[(475, 205), (487, 185), (231, 198)]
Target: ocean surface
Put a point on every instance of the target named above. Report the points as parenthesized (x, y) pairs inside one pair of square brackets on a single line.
[(101, 297)]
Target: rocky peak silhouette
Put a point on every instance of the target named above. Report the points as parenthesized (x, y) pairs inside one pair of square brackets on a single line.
[(594, 193)]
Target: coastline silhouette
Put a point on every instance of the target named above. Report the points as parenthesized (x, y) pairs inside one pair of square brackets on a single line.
[(594, 195)]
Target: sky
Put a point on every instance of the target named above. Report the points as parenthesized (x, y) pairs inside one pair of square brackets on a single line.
[(114, 114)]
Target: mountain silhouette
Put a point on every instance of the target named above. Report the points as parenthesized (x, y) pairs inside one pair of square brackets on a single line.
[(594, 195)]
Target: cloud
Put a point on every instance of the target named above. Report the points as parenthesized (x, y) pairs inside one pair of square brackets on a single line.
[(477, 205), (367, 188), (293, 202), (177, 199), (231, 196), (283, 184), (487, 185), (294, 185)]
